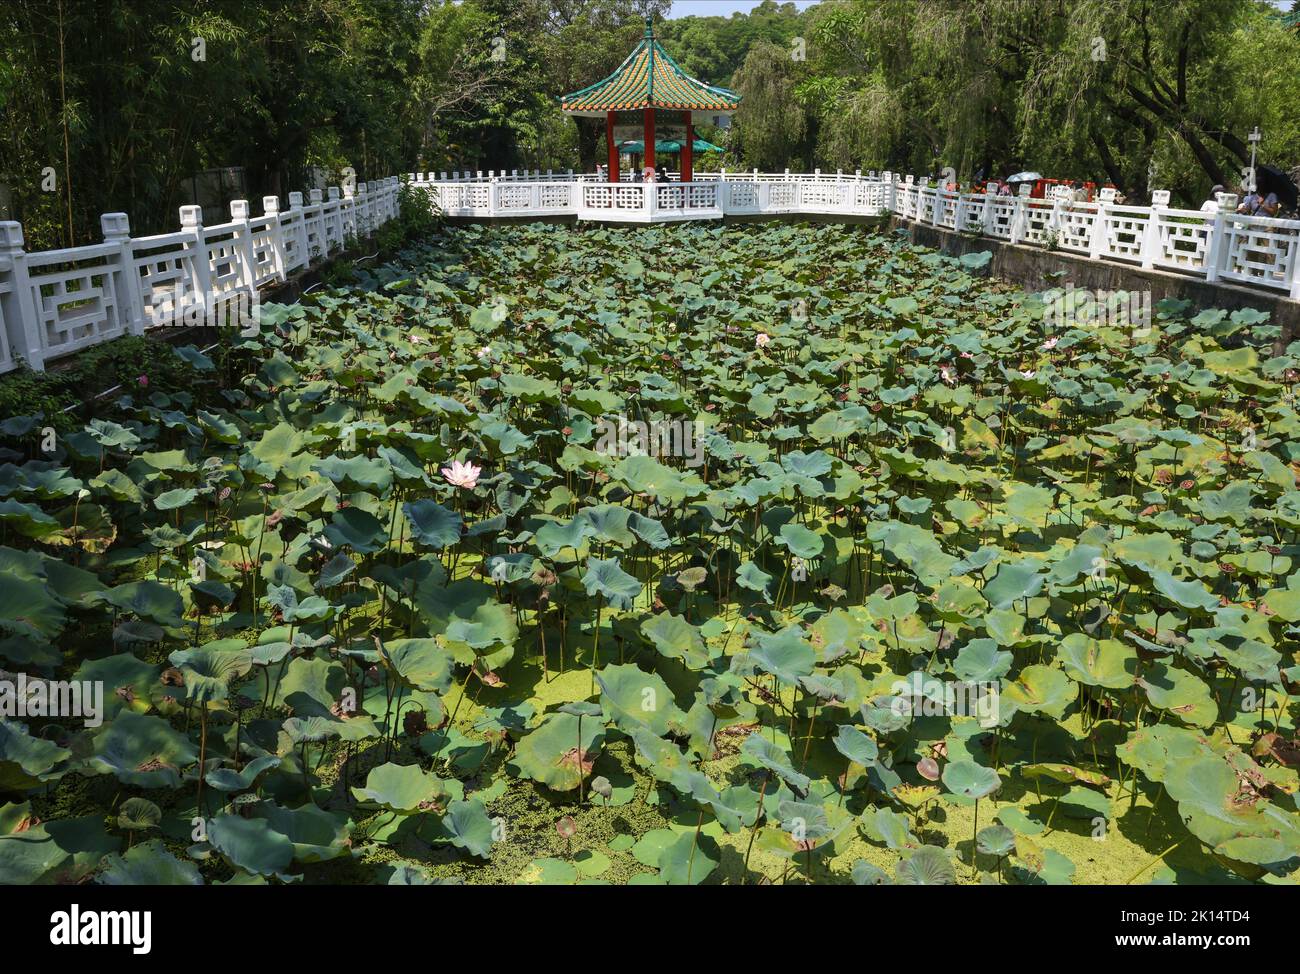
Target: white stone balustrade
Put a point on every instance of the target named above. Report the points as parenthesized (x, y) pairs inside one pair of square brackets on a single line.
[(1224, 246), (56, 302)]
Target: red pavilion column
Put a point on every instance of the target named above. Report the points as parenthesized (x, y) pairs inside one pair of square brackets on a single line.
[(612, 146), (688, 151), (649, 137)]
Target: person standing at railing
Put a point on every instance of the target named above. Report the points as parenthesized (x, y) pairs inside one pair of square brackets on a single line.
[(1256, 204), (1212, 204)]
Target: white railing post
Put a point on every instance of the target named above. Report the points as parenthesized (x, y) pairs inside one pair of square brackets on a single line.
[(271, 208), (126, 282), (1097, 238), (239, 215), (348, 213), (1019, 219), (1217, 245), (318, 218), (200, 277), (1151, 238), (1294, 291), (330, 219), (1056, 220), (990, 219), (19, 307), (300, 228)]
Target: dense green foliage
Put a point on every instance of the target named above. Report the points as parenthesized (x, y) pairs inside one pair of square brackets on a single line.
[(109, 105), (1147, 95), (385, 609)]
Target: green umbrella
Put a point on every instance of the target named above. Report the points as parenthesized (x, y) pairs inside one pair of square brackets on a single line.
[(676, 145), (667, 145)]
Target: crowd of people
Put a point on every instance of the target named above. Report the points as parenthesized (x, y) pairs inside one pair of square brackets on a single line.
[(1253, 202)]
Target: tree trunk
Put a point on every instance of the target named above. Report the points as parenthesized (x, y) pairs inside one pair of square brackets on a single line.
[(590, 137)]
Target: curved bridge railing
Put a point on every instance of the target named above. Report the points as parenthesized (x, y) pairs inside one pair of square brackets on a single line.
[(54, 303), (57, 302), (1215, 245)]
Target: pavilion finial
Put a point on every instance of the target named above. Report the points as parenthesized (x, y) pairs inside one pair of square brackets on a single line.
[(649, 27)]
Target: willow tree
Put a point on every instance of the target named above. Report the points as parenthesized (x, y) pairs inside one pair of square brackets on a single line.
[(916, 84), (1161, 75), (773, 129), (1136, 92)]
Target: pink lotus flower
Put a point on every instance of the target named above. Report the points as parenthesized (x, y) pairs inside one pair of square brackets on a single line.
[(762, 340), (1027, 374), (143, 380), (967, 355), (485, 352), (462, 474), (947, 374), (1050, 344)]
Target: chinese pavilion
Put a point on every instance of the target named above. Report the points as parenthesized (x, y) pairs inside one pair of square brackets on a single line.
[(651, 96)]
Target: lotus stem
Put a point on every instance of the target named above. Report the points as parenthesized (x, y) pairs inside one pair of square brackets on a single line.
[(1159, 858), (695, 841), (753, 831)]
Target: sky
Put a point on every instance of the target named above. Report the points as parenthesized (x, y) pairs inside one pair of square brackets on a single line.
[(720, 8)]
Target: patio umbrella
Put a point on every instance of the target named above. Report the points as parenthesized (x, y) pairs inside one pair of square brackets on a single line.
[(1024, 177), (676, 145), (1273, 180), (667, 146)]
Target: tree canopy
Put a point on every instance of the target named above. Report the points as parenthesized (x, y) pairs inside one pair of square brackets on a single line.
[(112, 105)]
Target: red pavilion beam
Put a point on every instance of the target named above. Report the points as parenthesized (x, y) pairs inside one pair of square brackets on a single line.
[(612, 147)]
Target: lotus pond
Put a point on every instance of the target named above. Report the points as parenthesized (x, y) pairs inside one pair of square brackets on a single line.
[(918, 586)]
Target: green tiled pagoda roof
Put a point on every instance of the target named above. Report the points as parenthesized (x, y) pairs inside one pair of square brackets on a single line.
[(649, 78)]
